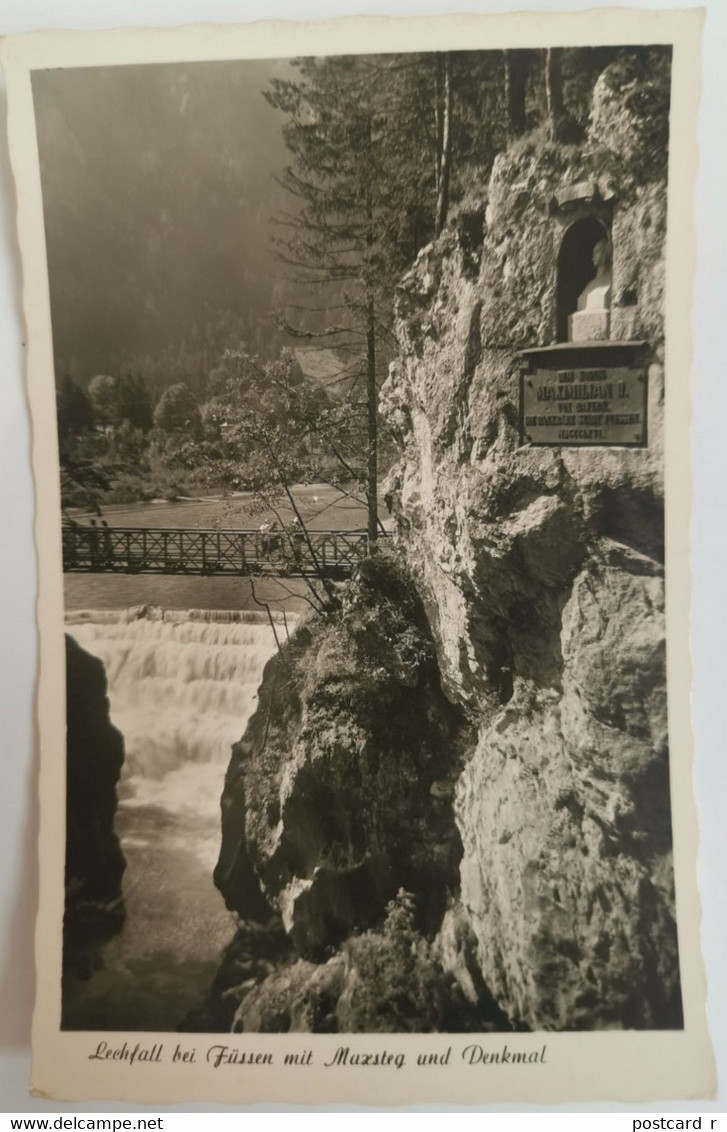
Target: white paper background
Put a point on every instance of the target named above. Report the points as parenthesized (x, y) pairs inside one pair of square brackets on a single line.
[(17, 567)]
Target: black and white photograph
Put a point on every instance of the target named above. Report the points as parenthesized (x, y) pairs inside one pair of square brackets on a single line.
[(360, 364)]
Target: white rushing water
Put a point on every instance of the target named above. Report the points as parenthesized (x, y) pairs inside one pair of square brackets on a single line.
[(181, 688)]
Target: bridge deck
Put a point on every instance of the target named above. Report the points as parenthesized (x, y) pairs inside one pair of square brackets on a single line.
[(139, 550)]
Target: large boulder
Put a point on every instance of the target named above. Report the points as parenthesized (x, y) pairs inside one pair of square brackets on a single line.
[(94, 757), (341, 790)]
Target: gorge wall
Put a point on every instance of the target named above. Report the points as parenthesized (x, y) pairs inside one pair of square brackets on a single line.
[(542, 573), (94, 757), (496, 744)]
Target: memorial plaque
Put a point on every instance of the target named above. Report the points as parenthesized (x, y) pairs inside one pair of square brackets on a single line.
[(584, 406)]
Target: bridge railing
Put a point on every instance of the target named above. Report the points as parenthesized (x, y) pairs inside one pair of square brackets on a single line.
[(161, 550)]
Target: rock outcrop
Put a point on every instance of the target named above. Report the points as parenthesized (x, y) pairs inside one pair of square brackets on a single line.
[(341, 790), (338, 805), (541, 570), (94, 757)]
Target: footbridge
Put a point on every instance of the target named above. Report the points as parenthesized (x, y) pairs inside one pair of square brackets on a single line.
[(241, 553)]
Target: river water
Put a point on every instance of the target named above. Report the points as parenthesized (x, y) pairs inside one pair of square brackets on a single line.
[(181, 689)]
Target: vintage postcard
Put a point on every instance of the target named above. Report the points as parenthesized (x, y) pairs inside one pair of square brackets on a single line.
[(358, 362)]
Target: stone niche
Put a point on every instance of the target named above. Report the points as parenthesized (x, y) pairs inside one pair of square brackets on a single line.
[(584, 282), (588, 386), (582, 231)]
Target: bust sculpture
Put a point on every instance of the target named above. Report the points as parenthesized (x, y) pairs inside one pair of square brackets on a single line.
[(590, 321)]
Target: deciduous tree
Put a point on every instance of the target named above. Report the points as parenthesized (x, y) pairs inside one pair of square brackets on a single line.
[(177, 410)]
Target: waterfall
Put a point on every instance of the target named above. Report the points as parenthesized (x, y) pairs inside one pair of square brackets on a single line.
[(181, 688)]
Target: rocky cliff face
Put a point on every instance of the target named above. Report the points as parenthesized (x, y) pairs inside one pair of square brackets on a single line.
[(341, 789), (541, 570), (95, 754), (339, 794), (497, 746)]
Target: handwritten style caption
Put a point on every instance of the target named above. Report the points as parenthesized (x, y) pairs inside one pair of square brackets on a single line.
[(220, 1055)]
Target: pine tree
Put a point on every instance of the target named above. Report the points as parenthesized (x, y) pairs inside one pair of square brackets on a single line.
[(516, 78), (358, 220), (133, 403), (380, 147), (74, 411)]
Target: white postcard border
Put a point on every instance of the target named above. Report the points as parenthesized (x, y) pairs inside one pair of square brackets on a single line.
[(633, 1066)]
